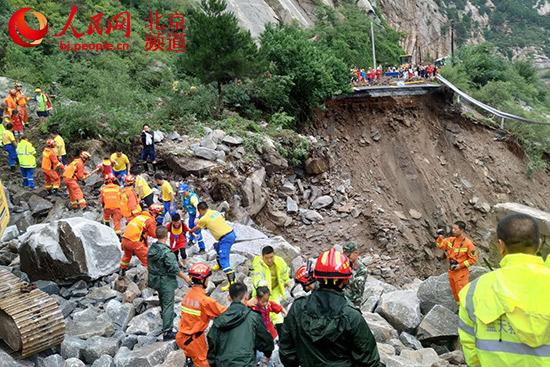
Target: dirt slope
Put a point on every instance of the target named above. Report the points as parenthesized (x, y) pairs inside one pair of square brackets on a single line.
[(409, 155)]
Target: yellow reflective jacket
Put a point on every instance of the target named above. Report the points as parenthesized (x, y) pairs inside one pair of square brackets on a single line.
[(26, 154), (262, 274), (505, 315)]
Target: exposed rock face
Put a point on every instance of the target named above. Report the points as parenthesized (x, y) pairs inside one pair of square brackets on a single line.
[(401, 309), (69, 249), (436, 291), (439, 323), (254, 198)]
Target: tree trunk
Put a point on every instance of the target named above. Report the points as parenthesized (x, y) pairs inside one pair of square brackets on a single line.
[(220, 100)]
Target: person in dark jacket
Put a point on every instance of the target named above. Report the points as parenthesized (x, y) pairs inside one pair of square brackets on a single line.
[(324, 329), (237, 333), (163, 269)]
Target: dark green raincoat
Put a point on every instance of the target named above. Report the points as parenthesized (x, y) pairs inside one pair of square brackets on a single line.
[(325, 330), (163, 270), (236, 335)]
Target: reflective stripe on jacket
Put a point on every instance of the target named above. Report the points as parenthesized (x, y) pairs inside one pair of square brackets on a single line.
[(136, 227), (505, 315), (110, 196), (26, 154)]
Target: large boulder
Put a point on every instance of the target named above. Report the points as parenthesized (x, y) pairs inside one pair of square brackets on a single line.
[(88, 329), (39, 207), (381, 329), (254, 199), (98, 346), (69, 249), (439, 324), (145, 323), (426, 356), (316, 166), (401, 309), (254, 248), (148, 356), (436, 291)]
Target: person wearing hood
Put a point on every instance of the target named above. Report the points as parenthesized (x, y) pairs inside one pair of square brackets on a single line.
[(238, 333), (163, 269), (505, 314), (324, 329)]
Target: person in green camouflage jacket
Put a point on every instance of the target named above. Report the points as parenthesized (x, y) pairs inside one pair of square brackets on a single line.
[(356, 287)]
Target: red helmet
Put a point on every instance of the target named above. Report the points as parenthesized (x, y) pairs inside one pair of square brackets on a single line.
[(109, 177), (51, 143), (85, 155), (303, 276), (129, 180), (200, 271), (156, 209), (332, 264)]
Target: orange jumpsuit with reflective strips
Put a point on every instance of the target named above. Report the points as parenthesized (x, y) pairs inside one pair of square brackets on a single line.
[(49, 165), (72, 173), (130, 204), (22, 102), (111, 201), (134, 240), (463, 251), (197, 309)]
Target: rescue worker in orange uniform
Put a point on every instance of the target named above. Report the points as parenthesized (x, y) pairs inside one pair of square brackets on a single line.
[(461, 254), (72, 173), (11, 102), (111, 201), (197, 309), (135, 237), (22, 102), (50, 163), (130, 203)]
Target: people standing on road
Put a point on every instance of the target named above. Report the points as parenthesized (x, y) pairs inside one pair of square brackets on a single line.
[(163, 271), (110, 198), (197, 309), (177, 229), (223, 234), (238, 333), (121, 165), (10, 145), (136, 236), (147, 140), (190, 201), (271, 270), (167, 196), (26, 154), (324, 329), (50, 164), (71, 175), (59, 146), (356, 287), (461, 254), (505, 314)]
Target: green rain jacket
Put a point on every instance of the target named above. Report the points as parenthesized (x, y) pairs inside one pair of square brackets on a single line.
[(325, 330), (163, 267), (235, 336)]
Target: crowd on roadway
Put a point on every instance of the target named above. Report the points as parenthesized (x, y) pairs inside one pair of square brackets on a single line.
[(406, 71)]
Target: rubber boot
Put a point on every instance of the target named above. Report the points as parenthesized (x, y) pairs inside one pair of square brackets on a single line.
[(154, 167), (56, 193), (145, 167), (230, 280), (122, 272), (48, 192), (217, 267)]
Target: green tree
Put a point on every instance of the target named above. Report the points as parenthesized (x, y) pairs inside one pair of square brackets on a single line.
[(217, 49), (315, 71)]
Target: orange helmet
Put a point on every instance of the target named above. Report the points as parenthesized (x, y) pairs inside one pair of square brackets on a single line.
[(109, 177), (51, 143), (303, 276), (200, 271), (129, 180), (332, 264), (156, 209), (85, 155)]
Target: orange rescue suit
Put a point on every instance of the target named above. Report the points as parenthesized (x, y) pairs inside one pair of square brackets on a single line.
[(72, 173), (111, 200), (197, 309), (129, 203), (49, 166), (22, 102), (134, 240), (463, 251)]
